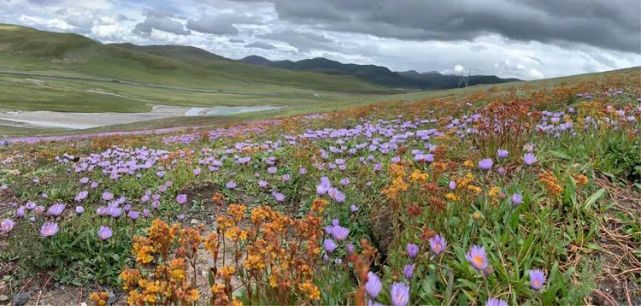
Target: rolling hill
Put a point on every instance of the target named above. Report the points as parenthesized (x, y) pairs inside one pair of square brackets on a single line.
[(28, 49), (377, 74)]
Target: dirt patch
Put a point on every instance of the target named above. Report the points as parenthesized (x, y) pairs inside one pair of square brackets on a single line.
[(620, 277), (382, 228)]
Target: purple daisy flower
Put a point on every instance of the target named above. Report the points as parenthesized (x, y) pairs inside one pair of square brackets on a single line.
[(80, 209), (6, 225), (181, 198), (400, 294), (104, 233), (502, 153), (49, 229), (412, 250), (495, 302), (107, 196), (437, 244), (408, 271), (529, 159), (56, 209), (452, 185), (477, 257), (537, 279), (517, 199), (373, 285), (339, 233), (486, 164), (329, 245), (231, 185)]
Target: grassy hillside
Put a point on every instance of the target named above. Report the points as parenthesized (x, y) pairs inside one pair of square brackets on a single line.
[(63, 72)]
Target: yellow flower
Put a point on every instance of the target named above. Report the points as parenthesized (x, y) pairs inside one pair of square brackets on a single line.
[(236, 302), (451, 197), (494, 192), (310, 290), (418, 176), (468, 163), (226, 272)]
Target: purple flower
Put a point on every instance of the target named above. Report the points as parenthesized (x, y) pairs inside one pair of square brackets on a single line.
[(285, 177), (350, 248), (107, 196), (452, 185), (502, 153), (56, 209), (279, 197), (373, 285), (412, 250), (400, 294), (196, 171), (262, 184), (339, 233), (477, 257), (104, 232), (437, 244), (486, 164), (80, 209), (6, 225), (302, 171), (81, 196), (517, 199), (529, 158), (231, 185), (114, 211), (84, 180), (329, 245), (272, 170), (20, 211), (133, 215), (408, 271), (353, 208), (345, 181), (537, 279), (181, 198), (48, 229), (495, 302)]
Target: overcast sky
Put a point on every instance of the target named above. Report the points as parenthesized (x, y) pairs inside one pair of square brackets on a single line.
[(527, 39)]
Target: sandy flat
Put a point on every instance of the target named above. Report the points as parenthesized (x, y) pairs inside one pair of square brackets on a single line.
[(49, 119)]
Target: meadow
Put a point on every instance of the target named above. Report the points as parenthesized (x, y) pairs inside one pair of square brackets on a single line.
[(518, 194)]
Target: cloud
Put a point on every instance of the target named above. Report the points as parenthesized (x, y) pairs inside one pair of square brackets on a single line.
[(303, 41), (602, 23), (260, 45), (162, 22), (212, 25)]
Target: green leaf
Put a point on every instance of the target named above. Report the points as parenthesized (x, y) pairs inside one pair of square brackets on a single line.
[(593, 198)]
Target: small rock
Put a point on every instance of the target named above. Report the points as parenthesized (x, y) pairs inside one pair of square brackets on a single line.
[(20, 299), (193, 221), (112, 298), (3, 298)]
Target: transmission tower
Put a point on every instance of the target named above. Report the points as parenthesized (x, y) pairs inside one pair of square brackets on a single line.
[(464, 80)]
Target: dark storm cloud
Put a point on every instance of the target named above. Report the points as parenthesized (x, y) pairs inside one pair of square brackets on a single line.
[(160, 21), (302, 41), (612, 24), (261, 45)]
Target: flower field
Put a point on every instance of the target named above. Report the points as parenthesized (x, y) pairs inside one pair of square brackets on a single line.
[(526, 195)]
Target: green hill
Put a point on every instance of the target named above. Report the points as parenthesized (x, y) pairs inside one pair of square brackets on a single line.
[(30, 49)]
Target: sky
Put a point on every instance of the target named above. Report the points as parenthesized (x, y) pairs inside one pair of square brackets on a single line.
[(526, 39)]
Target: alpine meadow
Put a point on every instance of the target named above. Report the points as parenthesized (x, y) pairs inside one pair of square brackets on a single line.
[(326, 152)]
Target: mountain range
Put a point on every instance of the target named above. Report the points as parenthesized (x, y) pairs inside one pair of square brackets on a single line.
[(378, 74)]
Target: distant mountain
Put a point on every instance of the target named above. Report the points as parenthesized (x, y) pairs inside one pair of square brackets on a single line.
[(377, 74)]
